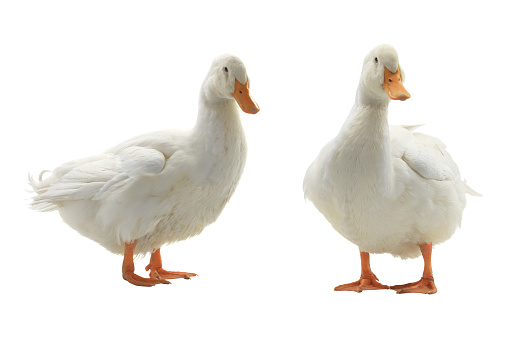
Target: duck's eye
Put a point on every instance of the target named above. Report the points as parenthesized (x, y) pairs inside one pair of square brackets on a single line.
[(376, 60), (226, 69)]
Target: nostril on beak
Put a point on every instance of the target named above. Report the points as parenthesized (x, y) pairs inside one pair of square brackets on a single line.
[(403, 96)]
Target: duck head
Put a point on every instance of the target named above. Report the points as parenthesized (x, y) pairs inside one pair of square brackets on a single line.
[(382, 76), (228, 80)]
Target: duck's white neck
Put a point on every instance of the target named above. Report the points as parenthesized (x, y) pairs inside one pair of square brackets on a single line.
[(215, 111), (218, 122), (364, 97), (365, 149)]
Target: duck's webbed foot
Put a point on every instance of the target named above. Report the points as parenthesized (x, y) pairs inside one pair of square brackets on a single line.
[(366, 282), (142, 281), (424, 286), (157, 272), (129, 269)]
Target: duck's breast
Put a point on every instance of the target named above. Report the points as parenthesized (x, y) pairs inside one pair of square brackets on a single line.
[(199, 197)]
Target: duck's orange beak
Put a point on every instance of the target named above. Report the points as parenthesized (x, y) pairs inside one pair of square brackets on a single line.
[(244, 99), (393, 85)]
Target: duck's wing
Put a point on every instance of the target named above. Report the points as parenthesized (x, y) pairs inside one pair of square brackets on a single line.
[(91, 178), (425, 155), (132, 163)]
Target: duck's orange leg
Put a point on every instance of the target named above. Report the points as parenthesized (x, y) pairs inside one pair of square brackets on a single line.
[(426, 284), (368, 280), (129, 269), (155, 265)]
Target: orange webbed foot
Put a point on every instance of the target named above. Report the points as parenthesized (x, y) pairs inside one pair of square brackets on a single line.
[(160, 273), (366, 282), (424, 286), (129, 269), (142, 281)]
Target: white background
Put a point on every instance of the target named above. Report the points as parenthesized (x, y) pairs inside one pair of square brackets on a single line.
[(79, 77)]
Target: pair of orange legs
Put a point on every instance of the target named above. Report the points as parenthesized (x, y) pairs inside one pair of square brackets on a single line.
[(157, 274), (369, 281)]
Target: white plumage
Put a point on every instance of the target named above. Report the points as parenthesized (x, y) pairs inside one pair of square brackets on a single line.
[(386, 189), (163, 186)]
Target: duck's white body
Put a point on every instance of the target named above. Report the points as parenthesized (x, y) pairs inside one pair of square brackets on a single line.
[(160, 187), (386, 189), (381, 195)]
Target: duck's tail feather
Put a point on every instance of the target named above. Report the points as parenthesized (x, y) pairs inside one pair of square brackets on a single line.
[(412, 127), (39, 187), (471, 191)]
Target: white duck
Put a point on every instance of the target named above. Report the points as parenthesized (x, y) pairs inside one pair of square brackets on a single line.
[(382, 187), (159, 187)]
